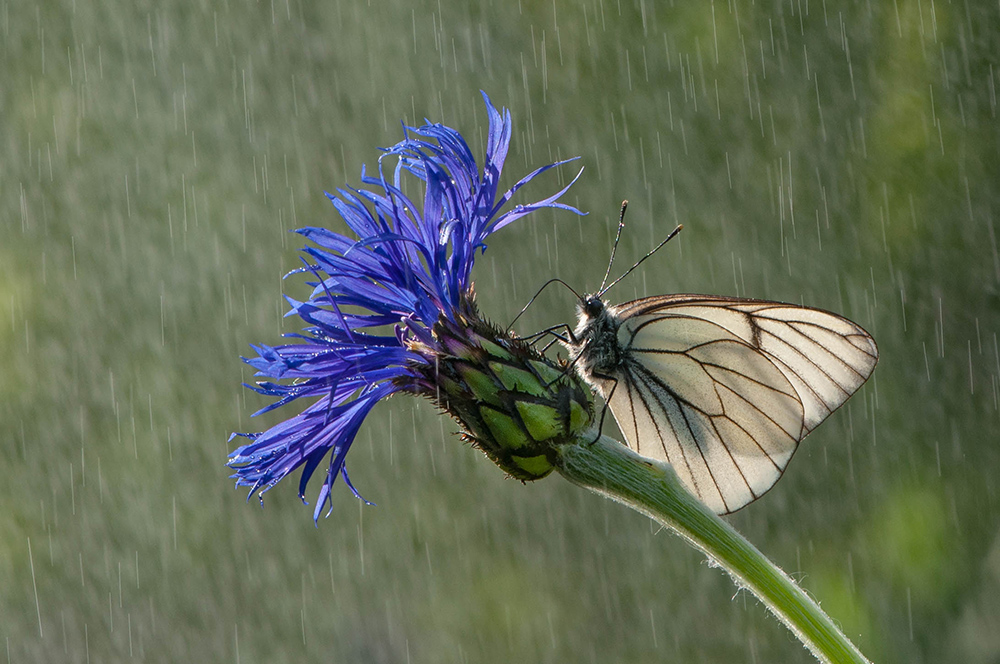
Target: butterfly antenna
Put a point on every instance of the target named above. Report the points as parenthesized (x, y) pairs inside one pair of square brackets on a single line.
[(639, 262), (532, 300), (614, 247)]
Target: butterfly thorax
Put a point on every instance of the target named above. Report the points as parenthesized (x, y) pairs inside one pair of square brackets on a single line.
[(597, 351)]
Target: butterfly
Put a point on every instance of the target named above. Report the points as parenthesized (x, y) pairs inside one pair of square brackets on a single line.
[(721, 388)]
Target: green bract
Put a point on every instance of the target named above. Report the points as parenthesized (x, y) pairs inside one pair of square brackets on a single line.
[(513, 403)]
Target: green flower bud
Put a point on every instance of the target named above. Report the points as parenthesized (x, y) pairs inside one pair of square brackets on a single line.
[(513, 403)]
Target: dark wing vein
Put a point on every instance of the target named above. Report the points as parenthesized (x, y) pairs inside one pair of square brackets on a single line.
[(677, 317), (859, 333), (758, 409), (753, 437), (792, 325), (809, 360), (649, 377), (673, 429), (704, 458), (659, 433)]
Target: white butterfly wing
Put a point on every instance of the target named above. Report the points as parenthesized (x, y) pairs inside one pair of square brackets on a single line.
[(724, 389)]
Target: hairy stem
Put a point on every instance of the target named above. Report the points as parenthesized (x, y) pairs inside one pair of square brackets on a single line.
[(611, 469)]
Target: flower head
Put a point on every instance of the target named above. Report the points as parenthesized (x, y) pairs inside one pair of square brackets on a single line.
[(409, 267)]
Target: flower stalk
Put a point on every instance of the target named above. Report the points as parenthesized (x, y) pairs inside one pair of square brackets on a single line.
[(609, 468)]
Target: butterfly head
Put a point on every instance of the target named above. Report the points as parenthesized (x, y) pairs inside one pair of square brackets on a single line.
[(592, 315), (590, 306)]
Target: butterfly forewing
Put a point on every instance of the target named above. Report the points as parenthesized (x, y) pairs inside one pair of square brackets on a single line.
[(724, 389), (826, 356)]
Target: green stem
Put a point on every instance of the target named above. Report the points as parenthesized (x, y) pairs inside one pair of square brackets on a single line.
[(611, 469)]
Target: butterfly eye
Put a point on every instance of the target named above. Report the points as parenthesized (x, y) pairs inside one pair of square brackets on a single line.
[(593, 307)]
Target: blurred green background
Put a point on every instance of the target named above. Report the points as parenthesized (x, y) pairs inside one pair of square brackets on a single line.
[(154, 155)]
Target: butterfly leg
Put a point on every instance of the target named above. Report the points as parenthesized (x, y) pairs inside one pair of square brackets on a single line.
[(567, 337)]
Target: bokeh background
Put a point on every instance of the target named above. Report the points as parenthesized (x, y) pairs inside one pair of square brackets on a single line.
[(154, 156)]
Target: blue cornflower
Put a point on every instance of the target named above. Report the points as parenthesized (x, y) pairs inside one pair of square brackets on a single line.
[(408, 267)]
